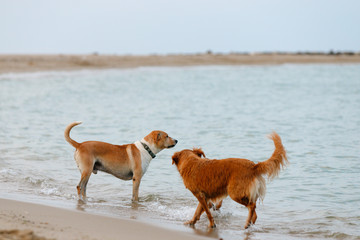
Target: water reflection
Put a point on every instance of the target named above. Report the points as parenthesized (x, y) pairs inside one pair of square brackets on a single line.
[(81, 205), (216, 233)]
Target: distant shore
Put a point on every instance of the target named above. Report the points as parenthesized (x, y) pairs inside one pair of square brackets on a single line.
[(34, 63), (22, 220)]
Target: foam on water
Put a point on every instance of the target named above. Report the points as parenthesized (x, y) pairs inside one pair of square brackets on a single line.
[(228, 111)]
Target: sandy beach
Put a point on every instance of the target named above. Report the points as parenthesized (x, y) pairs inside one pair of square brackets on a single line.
[(21, 220), (33, 63)]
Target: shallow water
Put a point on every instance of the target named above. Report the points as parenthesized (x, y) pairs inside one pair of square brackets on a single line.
[(227, 111)]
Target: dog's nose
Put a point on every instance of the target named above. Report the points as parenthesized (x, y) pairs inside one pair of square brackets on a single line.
[(176, 141)]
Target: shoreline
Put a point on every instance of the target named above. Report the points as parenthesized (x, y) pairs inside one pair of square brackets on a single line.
[(26, 220), (61, 62)]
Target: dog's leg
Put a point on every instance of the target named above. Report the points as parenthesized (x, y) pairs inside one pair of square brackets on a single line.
[(136, 184), (86, 165), (218, 205), (202, 200), (254, 217), (81, 187), (215, 206), (251, 208), (199, 210)]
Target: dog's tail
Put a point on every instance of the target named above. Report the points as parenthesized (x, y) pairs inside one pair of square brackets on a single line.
[(67, 134), (272, 166)]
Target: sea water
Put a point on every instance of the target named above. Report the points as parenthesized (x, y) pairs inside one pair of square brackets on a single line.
[(225, 110)]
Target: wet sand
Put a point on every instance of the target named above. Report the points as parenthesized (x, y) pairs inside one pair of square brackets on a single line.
[(33, 63), (21, 220)]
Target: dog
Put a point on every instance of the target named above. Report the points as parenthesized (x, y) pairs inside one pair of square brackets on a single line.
[(127, 162), (213, 180)]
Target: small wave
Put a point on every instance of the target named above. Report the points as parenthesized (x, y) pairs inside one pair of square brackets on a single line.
[(42, 185), (151, 198), (328, 234), (36, 182), (338, 235), (46, 186), (181, 210), (171, 210), (6, 173)]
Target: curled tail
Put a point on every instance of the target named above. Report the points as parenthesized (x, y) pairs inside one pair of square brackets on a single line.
[(67, 134), (272, 166)]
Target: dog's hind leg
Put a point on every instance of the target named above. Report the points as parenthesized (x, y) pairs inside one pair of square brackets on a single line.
[(252, 214), (218, 205), (203, 201), (251, 207), (199, 210), (254, 217), (215, 205), (86, 165), (81, 187)]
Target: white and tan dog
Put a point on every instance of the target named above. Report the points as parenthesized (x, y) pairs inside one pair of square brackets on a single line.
[(129, 161)]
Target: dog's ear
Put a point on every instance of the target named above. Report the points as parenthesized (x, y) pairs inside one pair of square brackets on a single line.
[(158, 136), (199, 152), (175, 158)]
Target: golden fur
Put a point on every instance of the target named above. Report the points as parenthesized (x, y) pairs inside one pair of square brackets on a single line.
[(241, 179)]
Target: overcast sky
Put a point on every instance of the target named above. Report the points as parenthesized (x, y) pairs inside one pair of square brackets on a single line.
[(178, 26)]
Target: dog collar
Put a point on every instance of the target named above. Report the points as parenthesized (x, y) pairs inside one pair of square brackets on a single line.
[(148, 150)]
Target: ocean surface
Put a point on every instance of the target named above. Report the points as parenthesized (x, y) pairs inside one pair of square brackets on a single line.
[(228, 111)]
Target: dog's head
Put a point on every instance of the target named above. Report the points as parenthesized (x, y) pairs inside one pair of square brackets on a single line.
[(178, 156), (161, 140)]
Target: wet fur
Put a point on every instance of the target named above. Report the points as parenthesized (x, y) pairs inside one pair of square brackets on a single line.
[(241, 179)]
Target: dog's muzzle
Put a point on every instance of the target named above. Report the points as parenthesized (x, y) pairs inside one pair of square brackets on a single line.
[(171, 146)]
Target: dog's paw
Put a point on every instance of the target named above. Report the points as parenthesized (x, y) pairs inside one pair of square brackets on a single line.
[(135, 198), (247, 226), (212, 225), (190, 223)]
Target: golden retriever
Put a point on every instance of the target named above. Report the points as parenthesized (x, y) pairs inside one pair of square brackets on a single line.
[(214, 180)]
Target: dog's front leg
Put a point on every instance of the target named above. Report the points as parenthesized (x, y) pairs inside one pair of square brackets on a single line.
[(199, 210), (203, 201), (136, 183)]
